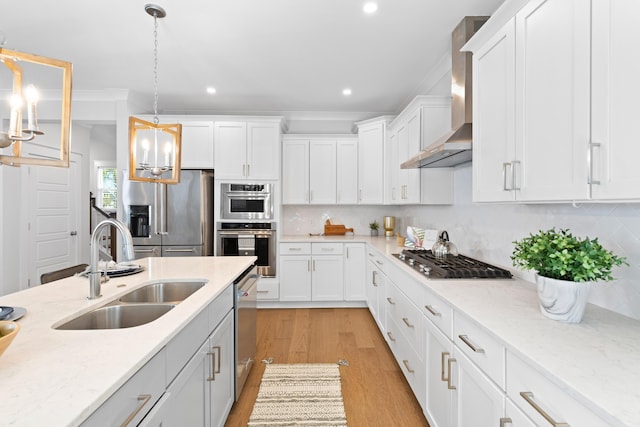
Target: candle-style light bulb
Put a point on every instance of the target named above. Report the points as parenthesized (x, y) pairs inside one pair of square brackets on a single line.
[(32, 97), (168, 150), (145, 151), (15, 120)]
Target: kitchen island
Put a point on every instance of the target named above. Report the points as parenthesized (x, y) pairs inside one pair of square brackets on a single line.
[(594, 364), (60, 377)]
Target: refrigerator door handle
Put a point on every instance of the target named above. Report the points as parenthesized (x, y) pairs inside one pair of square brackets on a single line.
[(163, 209)]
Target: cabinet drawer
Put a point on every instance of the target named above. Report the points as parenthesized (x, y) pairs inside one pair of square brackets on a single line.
[(483, 349), (268, 289), (536, 395), (379, 260), (295, 248), (411, 363), (219, 308), (326, 248), (438, 311), (135, 398), (407, 317)]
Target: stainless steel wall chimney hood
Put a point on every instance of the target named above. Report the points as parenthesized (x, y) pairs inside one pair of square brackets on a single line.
[(455, 147)]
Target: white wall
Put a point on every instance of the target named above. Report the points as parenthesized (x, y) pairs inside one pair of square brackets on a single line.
[(487, 231)]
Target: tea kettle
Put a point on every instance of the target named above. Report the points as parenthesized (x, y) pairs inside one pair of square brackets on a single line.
[(443, 247)]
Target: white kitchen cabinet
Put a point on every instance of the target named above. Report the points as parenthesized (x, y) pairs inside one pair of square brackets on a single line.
[(371, 137), (354, 272), (532, 105), (376, 285), (391, 168), (319, 170), (295, 171), (477, 400), (314, 273), (614, 151), (197, 145), (409, 141), (135, 398), (347, 171), (247, 150), (438, 406), (322, 171)]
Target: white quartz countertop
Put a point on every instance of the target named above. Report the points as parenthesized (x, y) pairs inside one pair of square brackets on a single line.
[(59, 377), (596, 361)]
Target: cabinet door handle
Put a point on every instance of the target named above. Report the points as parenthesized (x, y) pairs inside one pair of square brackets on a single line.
[(513, 175), (406, 322), (443, 377), (391, 301), (391, 337), (471, 345), (528, 396), (347, 254), (295, 249), (215, 362), (327, 249), (244, 169), (406, 365), (505, 421), (505, 165), (143, 399), (314, 265), (449, 363), (379, 262), (262, 292), (310, 195), (374, 274), (590, 162), (360, 195), (432, 310), (248, 169)]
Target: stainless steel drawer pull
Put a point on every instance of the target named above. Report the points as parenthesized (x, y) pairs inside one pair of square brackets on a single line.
[(379, 262), (432, 310), (391, 337), (443, 377), (262, 292), (215, 363), (390, 301), (505, 421), (471, 345), (143, 399), (406, 365), (406, 322), (328, 249), (528, 396), (505, 165), (449, 363), (295, 249)]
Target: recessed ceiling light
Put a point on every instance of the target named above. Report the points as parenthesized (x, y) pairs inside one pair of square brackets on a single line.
[(346, 92), (211, 90), (370, 7)]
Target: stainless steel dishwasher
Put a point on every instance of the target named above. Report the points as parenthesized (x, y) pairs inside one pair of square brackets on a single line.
[(245, 287)]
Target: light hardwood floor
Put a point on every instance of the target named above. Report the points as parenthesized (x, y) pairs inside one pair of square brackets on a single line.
[(375, 392)]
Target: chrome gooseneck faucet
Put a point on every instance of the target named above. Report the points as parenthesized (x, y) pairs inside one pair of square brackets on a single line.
[(95, 275)]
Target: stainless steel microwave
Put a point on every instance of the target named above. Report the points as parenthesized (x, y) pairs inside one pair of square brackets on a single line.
[(246, 201)]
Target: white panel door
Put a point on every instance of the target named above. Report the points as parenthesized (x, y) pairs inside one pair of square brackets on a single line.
[(263, 151), (295, 171), (295, 278), (197, 145), (439, 399), (327, 278), (230, 150), (322, 171), (614, 105), (347, 171), (53, 206), (354, 272), (553, 83), (370, 164)]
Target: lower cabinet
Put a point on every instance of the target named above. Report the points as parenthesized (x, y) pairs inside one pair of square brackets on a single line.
[(439, 389), (376, 284), (354, 272), (203, 393)]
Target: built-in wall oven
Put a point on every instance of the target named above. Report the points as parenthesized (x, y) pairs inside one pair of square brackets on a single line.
[(241, 201), (249, 239)]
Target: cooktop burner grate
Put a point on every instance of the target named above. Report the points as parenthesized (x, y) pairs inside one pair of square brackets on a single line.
[(451, 267)]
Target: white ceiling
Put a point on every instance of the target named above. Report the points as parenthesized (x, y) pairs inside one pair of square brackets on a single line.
[(262, 56)]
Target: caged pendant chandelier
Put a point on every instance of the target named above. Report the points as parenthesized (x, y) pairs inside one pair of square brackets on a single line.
[(154, 148)]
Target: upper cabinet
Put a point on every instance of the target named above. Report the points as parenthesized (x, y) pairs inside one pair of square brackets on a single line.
[(371, 138), (552, 111), (197, 145), (417, 126), (248, 150), (319, 169)]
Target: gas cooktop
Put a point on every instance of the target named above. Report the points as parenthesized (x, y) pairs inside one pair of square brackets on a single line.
[(450, 267)]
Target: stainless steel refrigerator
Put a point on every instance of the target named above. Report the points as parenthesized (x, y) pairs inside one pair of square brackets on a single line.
[(170, 220)]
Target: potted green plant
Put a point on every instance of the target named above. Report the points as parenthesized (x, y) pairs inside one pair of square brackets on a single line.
[(565, 267), (374, 227)]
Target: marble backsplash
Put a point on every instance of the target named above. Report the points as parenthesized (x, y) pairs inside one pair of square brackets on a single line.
[(487, 231)]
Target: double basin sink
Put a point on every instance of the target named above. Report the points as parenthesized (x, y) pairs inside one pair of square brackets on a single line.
[(138, 307)]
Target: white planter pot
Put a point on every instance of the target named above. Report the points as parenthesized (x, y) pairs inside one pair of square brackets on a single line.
[(562, 300)]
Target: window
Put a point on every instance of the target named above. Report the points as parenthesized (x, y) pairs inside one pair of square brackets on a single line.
[(107, 188)]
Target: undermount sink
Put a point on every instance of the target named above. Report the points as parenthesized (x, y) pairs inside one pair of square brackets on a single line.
[(162, 292), (117, 316)]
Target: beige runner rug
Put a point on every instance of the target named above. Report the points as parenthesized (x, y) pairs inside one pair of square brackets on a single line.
[(299, 395)]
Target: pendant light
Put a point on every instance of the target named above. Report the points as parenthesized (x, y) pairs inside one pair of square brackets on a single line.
[(154, 148)]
